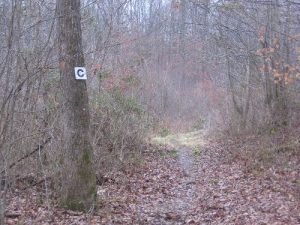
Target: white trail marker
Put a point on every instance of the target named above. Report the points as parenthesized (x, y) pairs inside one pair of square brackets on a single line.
[(80, 73)]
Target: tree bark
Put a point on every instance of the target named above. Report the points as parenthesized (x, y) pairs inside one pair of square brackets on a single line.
[(79, 180)]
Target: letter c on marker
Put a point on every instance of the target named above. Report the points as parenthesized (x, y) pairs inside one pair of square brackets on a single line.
[(80, 72)]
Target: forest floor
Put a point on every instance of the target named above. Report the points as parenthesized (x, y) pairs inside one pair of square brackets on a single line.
[(189, 179)]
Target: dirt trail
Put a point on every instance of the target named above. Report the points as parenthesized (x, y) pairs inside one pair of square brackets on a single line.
[(178, 209), (186, 160)]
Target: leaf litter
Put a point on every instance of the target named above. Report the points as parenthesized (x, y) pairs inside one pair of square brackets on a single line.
[(215, 187)]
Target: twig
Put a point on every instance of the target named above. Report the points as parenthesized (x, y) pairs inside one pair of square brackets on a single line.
[(38, 148), (36, 183), (12, 215)]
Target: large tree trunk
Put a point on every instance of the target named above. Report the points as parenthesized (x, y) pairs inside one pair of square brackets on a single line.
[(79, 183)]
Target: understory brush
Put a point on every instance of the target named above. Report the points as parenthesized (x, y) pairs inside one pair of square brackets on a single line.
[(119, 127)]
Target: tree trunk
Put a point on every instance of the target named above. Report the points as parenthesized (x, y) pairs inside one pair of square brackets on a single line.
[(2, 207), (79, 182)]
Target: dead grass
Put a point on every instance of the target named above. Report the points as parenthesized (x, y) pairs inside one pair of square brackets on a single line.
[(191, 140)]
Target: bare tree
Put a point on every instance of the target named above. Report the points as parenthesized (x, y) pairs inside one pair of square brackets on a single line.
[(79, 183)]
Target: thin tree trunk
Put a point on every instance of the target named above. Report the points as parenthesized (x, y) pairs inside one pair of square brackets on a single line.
[(2, 209)]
